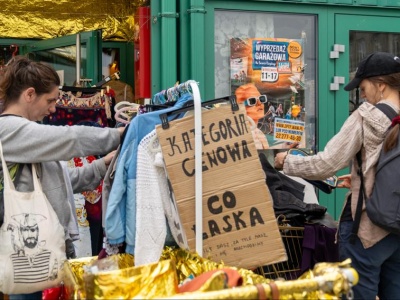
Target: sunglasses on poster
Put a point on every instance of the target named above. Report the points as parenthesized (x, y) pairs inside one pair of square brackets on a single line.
[(251, 101)]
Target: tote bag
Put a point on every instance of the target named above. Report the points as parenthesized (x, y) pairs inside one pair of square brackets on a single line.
[(32, 240)]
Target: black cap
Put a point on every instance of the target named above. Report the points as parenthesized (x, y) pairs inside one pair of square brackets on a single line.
[(375, 64)]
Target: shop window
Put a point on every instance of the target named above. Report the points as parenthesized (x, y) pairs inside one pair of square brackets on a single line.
[(271, 54), (110, 61), (63, 59), (7, 52), (363, 43)]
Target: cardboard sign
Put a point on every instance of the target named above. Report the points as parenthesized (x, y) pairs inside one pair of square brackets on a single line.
[(239, 225)]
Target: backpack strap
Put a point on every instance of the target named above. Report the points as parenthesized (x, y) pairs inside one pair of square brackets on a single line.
[(357, 217), (391, 114), (387, 110)]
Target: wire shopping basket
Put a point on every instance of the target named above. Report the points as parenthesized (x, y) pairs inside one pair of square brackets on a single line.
[(292, 237)]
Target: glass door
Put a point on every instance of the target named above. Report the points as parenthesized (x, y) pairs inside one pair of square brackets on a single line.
[(61, 53), (360, 36), (357, 36)]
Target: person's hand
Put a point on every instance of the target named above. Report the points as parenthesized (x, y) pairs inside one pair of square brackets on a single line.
[(293, 145), (344, 181), (121, 130), (279, 160), (108, 158)]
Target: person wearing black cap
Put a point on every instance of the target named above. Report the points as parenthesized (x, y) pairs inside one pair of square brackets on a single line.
[(374, 252)]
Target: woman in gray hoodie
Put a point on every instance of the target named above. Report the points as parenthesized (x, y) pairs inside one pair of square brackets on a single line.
[(28, 92)]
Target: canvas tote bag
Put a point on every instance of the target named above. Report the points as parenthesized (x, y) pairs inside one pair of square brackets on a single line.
[(32, 241)]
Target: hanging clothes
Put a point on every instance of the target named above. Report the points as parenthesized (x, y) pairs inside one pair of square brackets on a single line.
[(318, 246), (121, 205), (88, 210), (89, 110), (71, 109), (288, 194), (153, 204)]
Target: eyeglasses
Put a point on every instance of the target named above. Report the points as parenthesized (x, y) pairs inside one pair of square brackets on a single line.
[(253, 100)]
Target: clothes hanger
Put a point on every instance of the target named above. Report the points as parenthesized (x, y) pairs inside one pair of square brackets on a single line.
[(189, 111), (231, 98), (115, 75), (88, 90), (127, 112), (121, 104)]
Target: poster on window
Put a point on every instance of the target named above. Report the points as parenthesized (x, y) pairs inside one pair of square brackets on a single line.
[(267, 77)]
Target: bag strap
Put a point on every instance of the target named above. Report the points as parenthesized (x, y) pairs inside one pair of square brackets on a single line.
[(6, 171), (361, 193), (390, 113), (19, 172), (387, 110)]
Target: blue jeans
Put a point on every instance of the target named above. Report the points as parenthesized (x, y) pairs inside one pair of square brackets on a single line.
[(33, 296), (378, 266)]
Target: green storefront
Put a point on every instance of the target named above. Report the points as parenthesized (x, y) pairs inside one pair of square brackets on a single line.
[(193, 40)]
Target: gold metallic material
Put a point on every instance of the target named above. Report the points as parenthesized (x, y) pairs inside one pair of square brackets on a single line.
[(156, 280), (160, 280), (216, 282), (190, 263), (326, 281), (38, 19)]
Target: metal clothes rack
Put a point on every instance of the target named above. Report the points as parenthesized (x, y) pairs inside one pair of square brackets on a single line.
[(198, 162), (192, 87)]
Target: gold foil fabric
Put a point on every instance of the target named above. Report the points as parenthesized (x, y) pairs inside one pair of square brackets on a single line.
[(38, 19), (119, 284), (325, 281), (160, 280), (150, 281), (190, 263)]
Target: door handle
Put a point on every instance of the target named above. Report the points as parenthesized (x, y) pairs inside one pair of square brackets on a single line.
[(334, 86), (337, 49)]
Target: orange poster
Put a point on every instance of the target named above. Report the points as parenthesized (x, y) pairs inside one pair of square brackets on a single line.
[(267, 76)]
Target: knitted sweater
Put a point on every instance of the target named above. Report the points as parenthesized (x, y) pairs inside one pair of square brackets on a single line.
[(364, 129)]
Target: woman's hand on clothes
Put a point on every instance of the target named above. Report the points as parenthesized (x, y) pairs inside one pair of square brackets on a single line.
[(279, 160), (108, 158), (121, 130), (344, 181)]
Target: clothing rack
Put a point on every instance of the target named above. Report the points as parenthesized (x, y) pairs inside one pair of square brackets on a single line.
[(170, 94), (98, 87), (88, 90), (198, 162), (192, 87)]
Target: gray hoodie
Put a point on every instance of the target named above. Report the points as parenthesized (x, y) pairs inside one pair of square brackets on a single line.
[(28, 142)]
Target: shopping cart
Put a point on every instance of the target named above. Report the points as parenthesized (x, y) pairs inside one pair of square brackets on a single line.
[(292, 237)]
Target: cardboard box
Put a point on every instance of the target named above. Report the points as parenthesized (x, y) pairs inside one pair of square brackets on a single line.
[(239, 225)]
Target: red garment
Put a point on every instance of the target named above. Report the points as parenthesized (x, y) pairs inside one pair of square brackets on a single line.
[(233, 279)]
